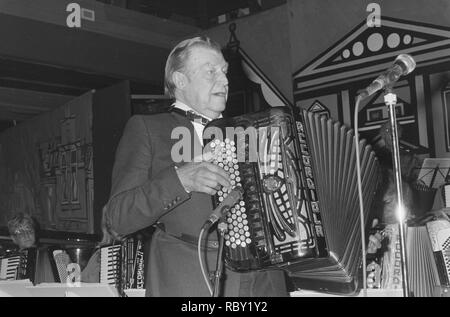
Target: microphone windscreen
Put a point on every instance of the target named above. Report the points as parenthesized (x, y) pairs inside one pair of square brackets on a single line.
[(407, 62)]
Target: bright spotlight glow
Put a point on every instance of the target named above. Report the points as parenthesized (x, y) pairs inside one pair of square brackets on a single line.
[(401, 213)]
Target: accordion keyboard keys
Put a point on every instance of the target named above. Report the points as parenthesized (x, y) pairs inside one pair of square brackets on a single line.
[(9, 267), (439, 233), (110, 265), (443, 239), (18, 265), (122, 264), (224, 155), (446, 195)]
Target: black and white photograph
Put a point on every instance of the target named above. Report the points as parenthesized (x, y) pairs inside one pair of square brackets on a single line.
[(225, 154)]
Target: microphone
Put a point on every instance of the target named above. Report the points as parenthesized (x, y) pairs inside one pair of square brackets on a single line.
[(403, 65), (232, 198)]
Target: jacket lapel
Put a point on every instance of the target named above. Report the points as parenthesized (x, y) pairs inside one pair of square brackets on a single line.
[(196, 147)]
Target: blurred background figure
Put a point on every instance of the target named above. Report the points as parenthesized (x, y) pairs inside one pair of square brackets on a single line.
[(410, 166), (24, 232)]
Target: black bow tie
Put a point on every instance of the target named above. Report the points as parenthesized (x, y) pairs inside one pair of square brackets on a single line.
[(191, 115)]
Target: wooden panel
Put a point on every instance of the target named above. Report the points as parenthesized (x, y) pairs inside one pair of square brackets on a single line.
[(111, 111), (46, 168)]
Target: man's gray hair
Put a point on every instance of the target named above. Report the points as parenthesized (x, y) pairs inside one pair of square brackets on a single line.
[(180, 54)]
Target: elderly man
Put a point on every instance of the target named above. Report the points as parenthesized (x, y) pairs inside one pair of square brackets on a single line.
[(150, 187)]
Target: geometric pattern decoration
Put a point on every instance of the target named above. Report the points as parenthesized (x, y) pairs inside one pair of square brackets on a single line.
[(366, 51), (374, 42), (272, 95), (319, 108)]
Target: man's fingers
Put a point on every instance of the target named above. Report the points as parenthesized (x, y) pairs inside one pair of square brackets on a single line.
[(206, 177), (209, 182), (207, 156), (207, 190), (374, 222), (215, 180), (216, 169), (375, 241), (221, 180)]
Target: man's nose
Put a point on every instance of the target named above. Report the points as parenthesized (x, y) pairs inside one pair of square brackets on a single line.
[(223, 78)]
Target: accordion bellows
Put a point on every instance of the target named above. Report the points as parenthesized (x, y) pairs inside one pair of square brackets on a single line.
[(300, 208)]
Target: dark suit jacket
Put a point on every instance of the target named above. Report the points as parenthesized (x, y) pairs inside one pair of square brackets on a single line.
[(146, 190)]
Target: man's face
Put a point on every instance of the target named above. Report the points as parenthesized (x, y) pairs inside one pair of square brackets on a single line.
[(206, 88), (24, 238)]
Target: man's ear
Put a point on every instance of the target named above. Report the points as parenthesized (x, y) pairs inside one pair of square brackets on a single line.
[(180, 80)]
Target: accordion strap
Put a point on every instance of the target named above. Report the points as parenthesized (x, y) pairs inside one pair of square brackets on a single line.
[(187, 238)]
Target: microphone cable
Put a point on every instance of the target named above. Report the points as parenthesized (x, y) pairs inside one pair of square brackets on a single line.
[(200, 259), (361, 201)]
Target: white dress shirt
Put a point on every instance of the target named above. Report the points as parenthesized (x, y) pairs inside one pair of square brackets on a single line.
[(197, 126)]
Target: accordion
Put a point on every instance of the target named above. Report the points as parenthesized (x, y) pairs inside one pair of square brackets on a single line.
[(427, 258), (19, 265), (439, 235), (122, 264), (300, 207)]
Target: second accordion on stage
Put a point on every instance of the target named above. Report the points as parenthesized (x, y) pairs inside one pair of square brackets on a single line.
[(300, 207)]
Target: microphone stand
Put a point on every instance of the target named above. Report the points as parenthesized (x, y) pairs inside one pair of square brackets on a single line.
[(222, 228), (390, 99)]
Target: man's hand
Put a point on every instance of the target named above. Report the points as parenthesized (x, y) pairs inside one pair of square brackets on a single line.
[(374, 243), (374, 275), (204, 177), (374, 239)]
